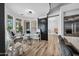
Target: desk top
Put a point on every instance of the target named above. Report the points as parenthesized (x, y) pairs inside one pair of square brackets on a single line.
[(74, 41)]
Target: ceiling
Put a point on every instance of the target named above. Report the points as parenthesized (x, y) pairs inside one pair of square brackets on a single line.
[(32, 9), (56, 6), (37, 9)]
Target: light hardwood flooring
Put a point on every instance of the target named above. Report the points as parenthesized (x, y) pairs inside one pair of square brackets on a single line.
[(44, 48), (53, 47)]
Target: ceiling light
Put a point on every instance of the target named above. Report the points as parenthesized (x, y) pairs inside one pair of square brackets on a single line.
[(30, 12)]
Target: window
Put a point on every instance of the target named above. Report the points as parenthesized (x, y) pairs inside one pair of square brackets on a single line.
[(18, 25), (9, 22)]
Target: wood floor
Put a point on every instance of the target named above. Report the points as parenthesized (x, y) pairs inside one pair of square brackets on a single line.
[(42, 48), (53, 47), (36, 49)]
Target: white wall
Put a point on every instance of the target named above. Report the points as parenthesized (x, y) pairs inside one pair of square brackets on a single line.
[(52, 24)]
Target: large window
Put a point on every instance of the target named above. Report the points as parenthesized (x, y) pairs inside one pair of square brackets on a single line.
[(18, 25), (9, 22)]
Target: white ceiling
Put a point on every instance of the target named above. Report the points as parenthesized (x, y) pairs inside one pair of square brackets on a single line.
[(38, 9), (56, 7)]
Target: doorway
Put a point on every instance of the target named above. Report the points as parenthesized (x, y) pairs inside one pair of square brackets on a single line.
[(26, 27), (43, 26)]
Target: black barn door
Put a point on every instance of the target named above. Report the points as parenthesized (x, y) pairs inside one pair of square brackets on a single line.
[(43, 26)]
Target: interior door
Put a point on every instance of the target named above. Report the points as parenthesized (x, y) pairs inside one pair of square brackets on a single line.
[(43, 26)]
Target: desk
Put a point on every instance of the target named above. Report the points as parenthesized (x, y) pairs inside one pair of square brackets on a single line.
[(74, 41)]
